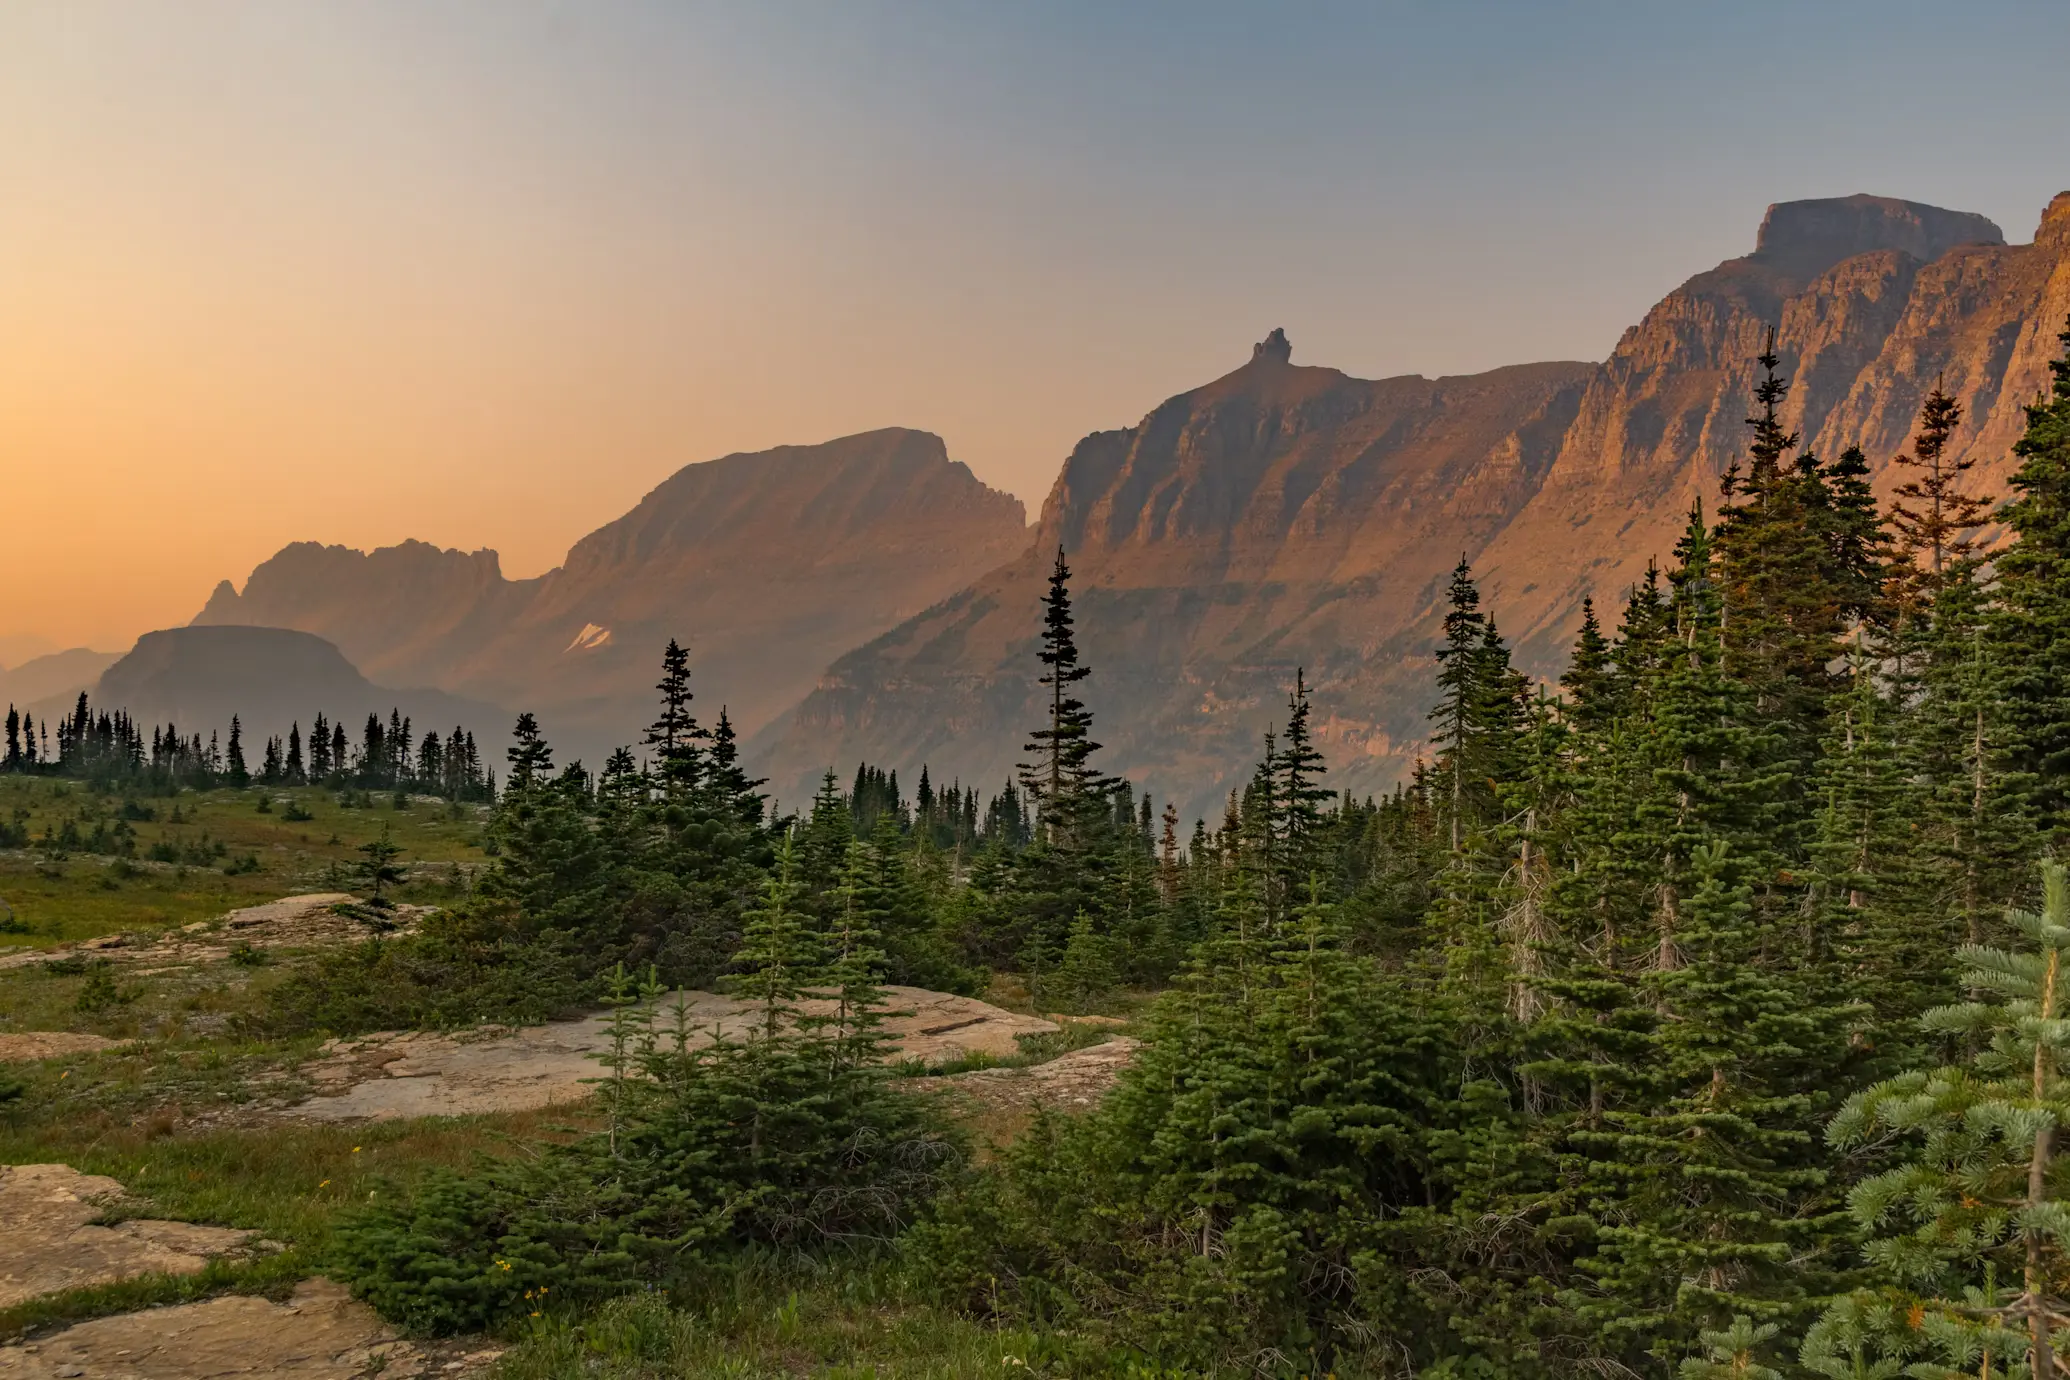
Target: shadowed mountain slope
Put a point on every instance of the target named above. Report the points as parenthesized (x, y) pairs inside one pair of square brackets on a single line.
[(269, 678)]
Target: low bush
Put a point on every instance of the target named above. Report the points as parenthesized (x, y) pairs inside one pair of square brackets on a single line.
[(795, 1140)]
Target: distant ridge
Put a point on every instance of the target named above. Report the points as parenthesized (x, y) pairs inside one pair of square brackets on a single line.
[(57, 675), (767, 564)]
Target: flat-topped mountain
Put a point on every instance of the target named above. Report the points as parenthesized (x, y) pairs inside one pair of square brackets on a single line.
[(1288, 516), (270, 678), (767, 565)]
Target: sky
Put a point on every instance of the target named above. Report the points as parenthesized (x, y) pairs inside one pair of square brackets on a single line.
[(483, 274)]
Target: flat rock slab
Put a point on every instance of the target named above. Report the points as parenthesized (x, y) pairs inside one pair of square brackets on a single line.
[(48, 1240), (1073, 1082), (383, 1076), (306, 921), (23, 1046), (320, 1333)]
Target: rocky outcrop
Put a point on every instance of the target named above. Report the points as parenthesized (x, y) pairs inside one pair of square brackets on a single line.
[(52, 1239), (1288, 516), (767, 565)]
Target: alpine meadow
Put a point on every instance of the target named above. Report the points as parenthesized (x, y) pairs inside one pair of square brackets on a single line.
[(1698, 1016), (695, 691)]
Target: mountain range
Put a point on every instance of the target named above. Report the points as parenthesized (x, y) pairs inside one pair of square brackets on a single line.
[(768, 564), (870, 599)]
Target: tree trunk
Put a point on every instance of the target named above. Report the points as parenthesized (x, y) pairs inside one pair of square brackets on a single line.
[(2042, 1357)]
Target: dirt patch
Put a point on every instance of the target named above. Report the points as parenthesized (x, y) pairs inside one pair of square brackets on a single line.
[(382, 1076), (49, 1240), (1072, 1082), (318, 1334), (293, 922), (23, 1046)]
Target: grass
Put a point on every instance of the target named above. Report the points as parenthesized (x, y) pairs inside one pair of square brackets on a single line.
[(184, 1117), (59, 894), (840, 1324), (287, 1181)]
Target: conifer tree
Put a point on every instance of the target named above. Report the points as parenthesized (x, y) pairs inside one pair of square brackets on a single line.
[(1934, 517), (1587, 677), (777, 957), (530, 755), (236, 772), (1711, 1199), (675, 738), (1463, 759), (855, 967), (1298, 796), (2033, 620), (1971, 1226), (727, 784), (824, 839), (1865, 926), (379, 869), (1070, 794)]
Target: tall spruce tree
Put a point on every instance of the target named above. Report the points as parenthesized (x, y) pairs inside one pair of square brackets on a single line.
[(1070, 795), (235, 772), (2033, 619)]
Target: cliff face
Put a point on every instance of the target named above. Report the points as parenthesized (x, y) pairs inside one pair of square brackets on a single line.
[(767, 565), (1862, 338), (1280, 516), (1285, 516), (413, 612)]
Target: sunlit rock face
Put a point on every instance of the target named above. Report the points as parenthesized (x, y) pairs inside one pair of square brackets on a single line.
[(1289, 516)]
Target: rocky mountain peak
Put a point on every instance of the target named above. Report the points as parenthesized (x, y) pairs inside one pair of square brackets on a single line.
[(1808, 237), (2055, 223), (1275, 347)]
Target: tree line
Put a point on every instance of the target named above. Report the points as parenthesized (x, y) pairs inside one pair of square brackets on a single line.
[(111, 751)]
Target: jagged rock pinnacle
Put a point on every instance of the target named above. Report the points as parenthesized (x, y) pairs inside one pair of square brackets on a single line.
[(2055, 222), (1274, 347)]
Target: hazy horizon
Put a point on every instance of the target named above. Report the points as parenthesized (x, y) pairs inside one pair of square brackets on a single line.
[(483, 277)]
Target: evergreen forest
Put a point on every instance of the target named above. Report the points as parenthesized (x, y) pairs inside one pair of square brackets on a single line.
[(1700, 1015)]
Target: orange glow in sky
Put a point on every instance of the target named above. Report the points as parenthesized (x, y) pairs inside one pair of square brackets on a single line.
[(485, 274)]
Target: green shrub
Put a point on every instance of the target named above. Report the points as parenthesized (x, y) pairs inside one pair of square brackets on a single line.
[(462, 967), (100, 991), (793, 1139)]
